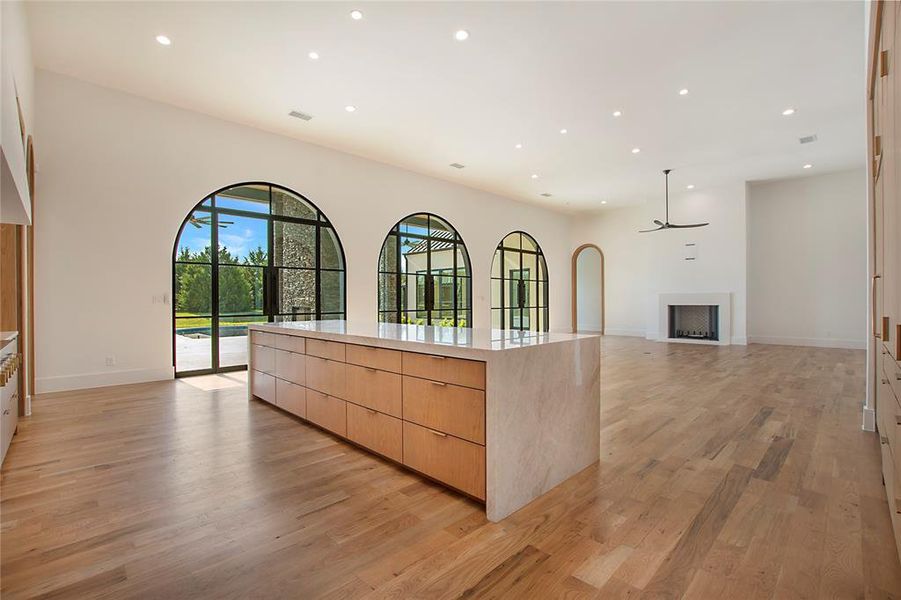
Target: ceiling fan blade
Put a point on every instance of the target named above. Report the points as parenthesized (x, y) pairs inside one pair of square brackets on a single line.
[(652, 230), (228, 222), (658, 222), (688, 226), (195, 224)]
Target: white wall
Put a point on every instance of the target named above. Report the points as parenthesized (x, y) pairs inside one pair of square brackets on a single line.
[(16, 80), (588, 290), (119, 173), (640, 266), (807, 271)]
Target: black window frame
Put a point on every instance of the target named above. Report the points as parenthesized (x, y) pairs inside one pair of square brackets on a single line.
[(271, 272), (542, 277)]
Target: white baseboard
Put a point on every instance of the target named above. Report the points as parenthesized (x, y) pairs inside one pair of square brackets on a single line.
[(626, 332), (813, 342), (739, 341), (64, 383), (869, 419)]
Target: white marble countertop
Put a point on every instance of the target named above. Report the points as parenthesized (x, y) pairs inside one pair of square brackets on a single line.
[(420, 338)]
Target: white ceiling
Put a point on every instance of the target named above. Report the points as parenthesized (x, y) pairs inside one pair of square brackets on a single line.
[(425, 100)]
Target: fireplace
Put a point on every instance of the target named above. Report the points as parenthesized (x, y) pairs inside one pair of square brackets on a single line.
[(694, 322)]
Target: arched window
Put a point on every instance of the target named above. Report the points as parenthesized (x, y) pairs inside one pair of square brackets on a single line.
[(519, 284), (277, 258), (424, 274)]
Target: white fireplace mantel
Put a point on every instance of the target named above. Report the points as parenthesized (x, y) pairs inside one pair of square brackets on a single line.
[(721, 299)]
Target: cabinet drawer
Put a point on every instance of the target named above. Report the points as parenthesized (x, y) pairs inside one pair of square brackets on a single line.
[(290, 366), (326, 376), (261, 338), (292, 343), (378, 432), (376, 358), (452, 409), (323, 349), (458, 463), (262, 358), (262, 385), (327, 412), (371, 388), (469, 373), (291, 397), (892, 371)]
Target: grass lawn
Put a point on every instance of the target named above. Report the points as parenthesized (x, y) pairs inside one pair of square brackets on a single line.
[(188, 320)]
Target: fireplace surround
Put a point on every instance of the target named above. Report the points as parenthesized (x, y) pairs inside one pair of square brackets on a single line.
[(698, 308)]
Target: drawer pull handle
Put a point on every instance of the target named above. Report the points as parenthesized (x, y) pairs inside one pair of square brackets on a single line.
[(370, 369), (439, 357), (883, 439), (439, 434), (439, 383), (885, 380)]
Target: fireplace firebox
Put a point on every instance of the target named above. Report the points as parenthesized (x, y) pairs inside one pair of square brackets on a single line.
[(694, 322)]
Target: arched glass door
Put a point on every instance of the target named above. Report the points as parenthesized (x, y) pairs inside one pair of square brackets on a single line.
[(277, 258), (519, 284), (424, 274)]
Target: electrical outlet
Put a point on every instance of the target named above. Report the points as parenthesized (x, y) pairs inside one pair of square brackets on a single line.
[(111, 361)]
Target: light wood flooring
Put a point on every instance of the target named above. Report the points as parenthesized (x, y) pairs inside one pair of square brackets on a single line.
[(726, 472)]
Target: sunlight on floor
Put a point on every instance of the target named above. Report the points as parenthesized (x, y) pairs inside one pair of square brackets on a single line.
[(220, 381)]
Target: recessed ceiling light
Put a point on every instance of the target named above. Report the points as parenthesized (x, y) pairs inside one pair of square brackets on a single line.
[(636, 150), (617, 113), (563, 131), (350, 108), (690, 186), (683, 92), (808, 166), (163, 39), (788, 112), (534, 176), (518, 146), (461, 35), (356, 15), (313, 55), (603, 202)]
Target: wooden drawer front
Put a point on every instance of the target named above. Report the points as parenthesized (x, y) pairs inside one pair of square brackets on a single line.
[(369, 387), (263, 339), (376, 358), (327, 412), (323, 349), (380, 433), (290, 366), (326, 376), (452, 409), (262, 385), (291, 397), (892, 372), (262, 358), (292, 343), (458, 463), (469, 373)]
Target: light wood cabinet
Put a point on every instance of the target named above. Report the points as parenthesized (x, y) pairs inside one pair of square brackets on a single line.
[(374, 358), (446, 458), (449, 408), (324, 349), (371, 388), (291, 343), (291, 397), (326, 376), (263, 358), (290, 366), (468, 373), (327, 411), (262, 385), (261, 338), (377, 431)]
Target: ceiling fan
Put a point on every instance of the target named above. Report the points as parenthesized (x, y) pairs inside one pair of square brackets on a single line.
[(666, 224), (199, 222)]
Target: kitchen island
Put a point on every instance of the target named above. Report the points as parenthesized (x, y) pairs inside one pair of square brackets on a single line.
[(502, 416)]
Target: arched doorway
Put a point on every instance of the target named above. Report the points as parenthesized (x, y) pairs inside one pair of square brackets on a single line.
[(424, 274), (519, 284), (277, 258), (588, 289)]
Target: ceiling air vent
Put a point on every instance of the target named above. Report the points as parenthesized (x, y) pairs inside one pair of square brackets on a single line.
[(299, 115), (808, 139), (546, 195), (457, 166)]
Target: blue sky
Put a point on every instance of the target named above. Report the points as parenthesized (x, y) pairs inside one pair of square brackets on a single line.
[(240, 236)]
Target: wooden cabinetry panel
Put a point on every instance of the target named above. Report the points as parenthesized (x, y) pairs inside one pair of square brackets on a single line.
[(291, 397), (262, 385), (292, 343), (261, 338), (458, 463), (263, 358), (379, 432), (468, 373), (452, 409), (379, 390), (290, 366), (326, 376), (375, 358), (324, 349), (327, 411)]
